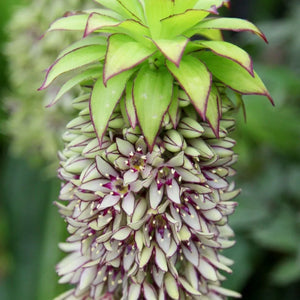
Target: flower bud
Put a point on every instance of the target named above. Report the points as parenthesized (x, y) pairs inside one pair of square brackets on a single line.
[(190, 128), (116, 121), (183, 98), (173, 141), (132, 135), (191, 151)]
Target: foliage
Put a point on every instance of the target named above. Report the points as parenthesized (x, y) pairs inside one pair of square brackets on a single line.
[(25, 106)]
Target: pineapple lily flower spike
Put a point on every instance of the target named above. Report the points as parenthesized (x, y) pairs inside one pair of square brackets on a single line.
[(145, 165)]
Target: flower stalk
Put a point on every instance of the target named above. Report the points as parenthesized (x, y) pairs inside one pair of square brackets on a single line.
[(146, 194)]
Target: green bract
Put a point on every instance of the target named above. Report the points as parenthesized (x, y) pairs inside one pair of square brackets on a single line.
[(146, 49)]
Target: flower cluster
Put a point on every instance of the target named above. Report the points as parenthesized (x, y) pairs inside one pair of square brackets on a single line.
[(146, 225)]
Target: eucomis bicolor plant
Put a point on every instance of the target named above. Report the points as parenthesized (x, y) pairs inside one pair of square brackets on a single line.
[(145, 195)]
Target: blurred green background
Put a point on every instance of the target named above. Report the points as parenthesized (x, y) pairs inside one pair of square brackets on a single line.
[(267, 220)]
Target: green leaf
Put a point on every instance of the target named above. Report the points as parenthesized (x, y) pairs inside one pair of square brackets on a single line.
[(207, 4), (86, 75), (181, 6), (155, 11), (172, 49), (73, 22), (115, 6), (211, 34), (152, 94), (230, 51), (90, 40), (174, 106), (177, 24), (97, 21), (136, 30), (73, 60), (233, 24), (195, 79), (233, 75), (286, 272), (119, 55), (104, 99), (135, 7), (213, 110), (129, 106)]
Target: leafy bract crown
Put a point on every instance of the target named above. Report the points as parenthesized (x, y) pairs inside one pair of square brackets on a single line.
[(142, 56)]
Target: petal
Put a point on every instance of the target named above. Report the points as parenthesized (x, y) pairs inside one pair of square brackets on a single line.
[(155, 195), (192, 254), (108, 201), (160, 259), (130, 176), (124, 147), (122, 234), (171, 286), (134, 291), (128, 203), (136, 186), (163, 242), (191, 218), (128, 260), (145, 256), (146, 171), (105, 168), (149, 291), (176, 161), (173, 192), (207, 270), (121, 163)]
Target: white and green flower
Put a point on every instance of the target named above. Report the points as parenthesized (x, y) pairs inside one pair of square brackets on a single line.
[(146, 162)]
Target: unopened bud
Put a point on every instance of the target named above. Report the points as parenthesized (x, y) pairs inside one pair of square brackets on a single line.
[(183, 98), (174, 141), (132, 135), (191, 151), (190, 128), (116, 121)]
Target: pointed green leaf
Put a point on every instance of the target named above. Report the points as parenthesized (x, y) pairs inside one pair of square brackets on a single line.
[(90, 40), (104, 99), (73, 60), (211, 34), (174, 107), (176, 24), (233, 24), (233, 75), (156, 10), (86, 75), (152, 94), (180, 6), (213, 110), (172, 49), (136, 30), (129, 106), (123, 111), (72, 22), (115, 6), (195, 79), (97, 21), (207, 4), (123, 53), (229, 51), (105, 12), (135, 7)]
